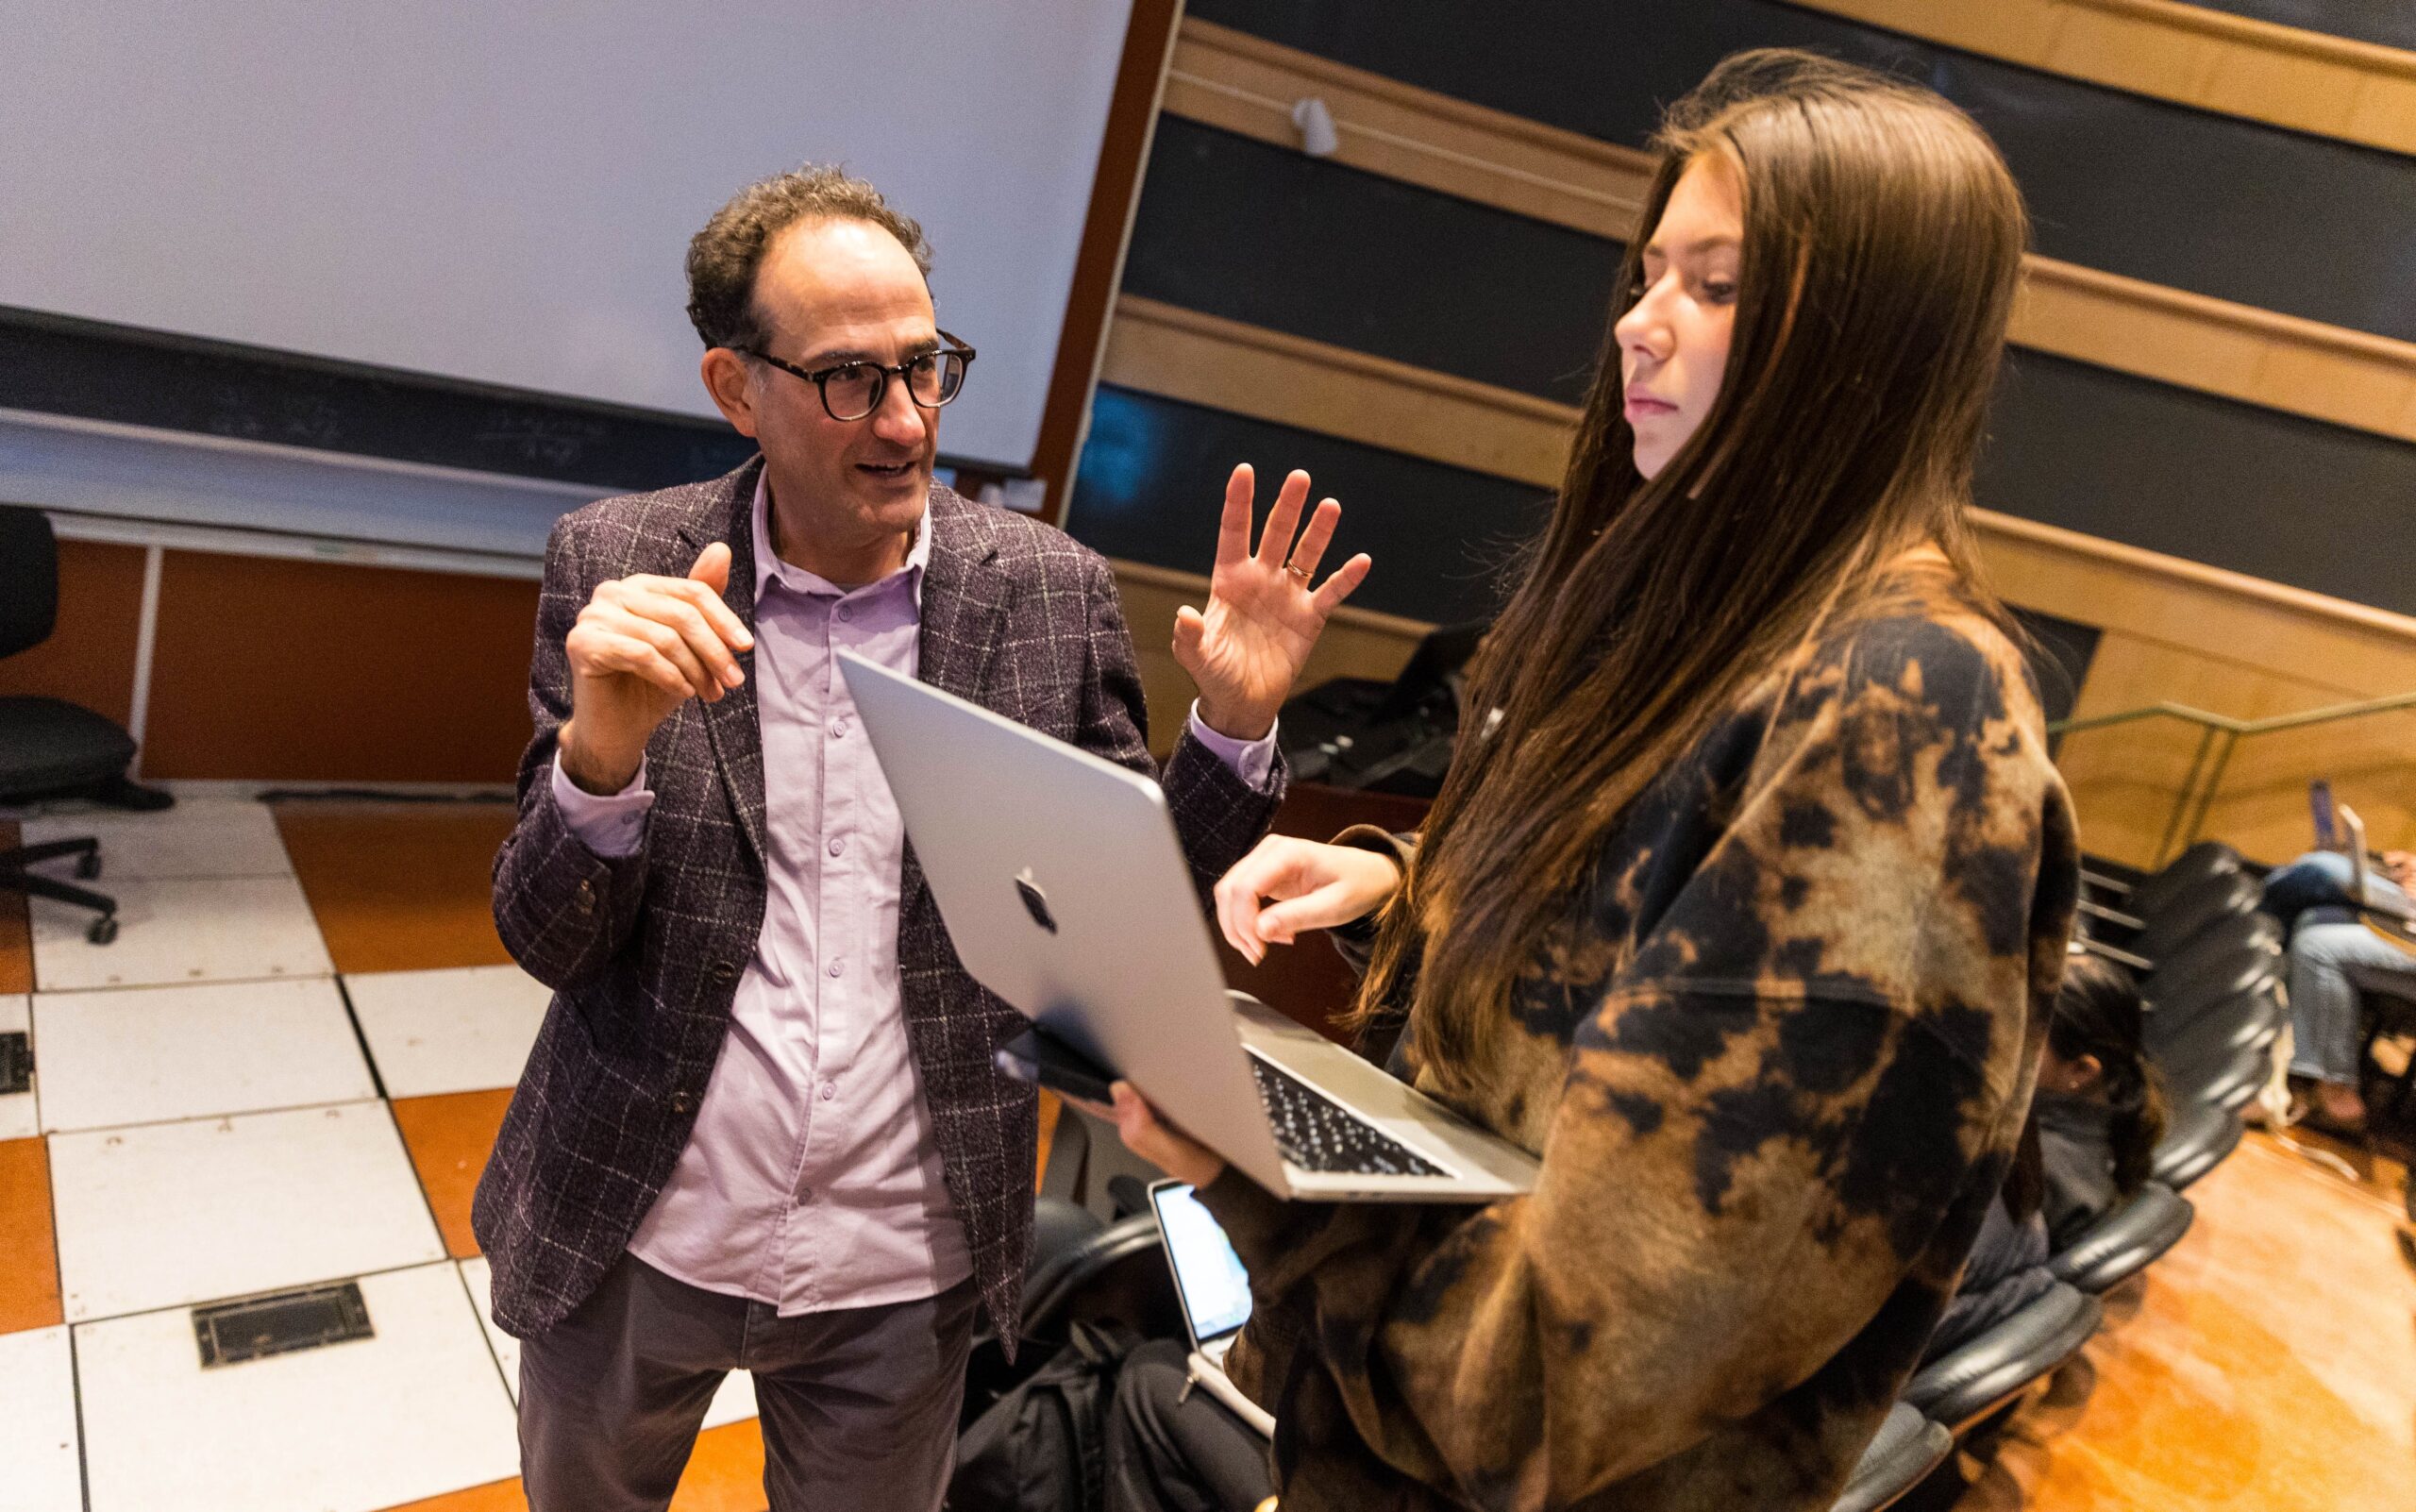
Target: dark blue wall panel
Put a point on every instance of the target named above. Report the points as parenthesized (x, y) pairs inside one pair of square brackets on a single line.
[(1231, 226), (2233, 209), (1152, 480)]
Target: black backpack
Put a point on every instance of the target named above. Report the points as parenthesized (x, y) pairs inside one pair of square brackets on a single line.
[(1043, 1446)]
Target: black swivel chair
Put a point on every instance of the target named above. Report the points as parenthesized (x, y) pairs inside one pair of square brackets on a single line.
[(49, 748)]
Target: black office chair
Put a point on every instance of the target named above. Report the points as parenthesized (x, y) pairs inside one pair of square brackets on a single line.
[(50, 747), (2208, 858), (2123, 1243), (2198, 1139), (1907, 1447), (1972, 1380), (2173, 925)]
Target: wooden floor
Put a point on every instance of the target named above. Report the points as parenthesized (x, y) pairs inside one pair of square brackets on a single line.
[(2267, 1363)]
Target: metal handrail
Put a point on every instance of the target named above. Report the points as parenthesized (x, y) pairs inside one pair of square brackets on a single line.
[(2235, 727), (2209, 762)]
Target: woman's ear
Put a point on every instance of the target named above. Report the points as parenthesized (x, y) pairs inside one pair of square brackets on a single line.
[(2087, 1072)]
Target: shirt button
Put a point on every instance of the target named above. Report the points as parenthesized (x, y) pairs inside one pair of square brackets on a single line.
[(804, 1196), (837, 845), (839, 730), (830, 1090), (845, 612), (835, 968)]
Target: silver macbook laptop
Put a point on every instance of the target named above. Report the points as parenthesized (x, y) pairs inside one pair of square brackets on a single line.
[(1065, 893)]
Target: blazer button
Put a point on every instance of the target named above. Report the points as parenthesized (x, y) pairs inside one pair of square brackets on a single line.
[(723, 971), (584, 900), (682, 1102)]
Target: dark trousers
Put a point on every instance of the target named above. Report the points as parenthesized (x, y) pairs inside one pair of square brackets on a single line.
[(859, 1406), (1170, 1450)]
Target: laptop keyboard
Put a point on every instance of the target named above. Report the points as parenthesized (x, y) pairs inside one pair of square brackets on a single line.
[(1314, 1133)]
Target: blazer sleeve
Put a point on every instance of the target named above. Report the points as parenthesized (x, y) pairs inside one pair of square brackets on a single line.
[(1217, 816), (562, 910), (1764, 1120)]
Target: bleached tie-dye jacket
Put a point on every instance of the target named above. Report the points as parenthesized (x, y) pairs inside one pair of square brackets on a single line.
[(1775, 1061)]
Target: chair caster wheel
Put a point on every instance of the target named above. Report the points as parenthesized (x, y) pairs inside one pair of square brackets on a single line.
[(104, 929), (87, 867)]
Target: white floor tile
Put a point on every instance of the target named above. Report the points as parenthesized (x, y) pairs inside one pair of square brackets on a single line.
[(39, 1470), (733, 1402), (414, 1412), (466, 1028), (153, 1054), (211, 838), (184, 929), (20, 1117), (177, 1213)]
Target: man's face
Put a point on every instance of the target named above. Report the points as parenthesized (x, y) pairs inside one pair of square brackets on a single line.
[(832, 291)]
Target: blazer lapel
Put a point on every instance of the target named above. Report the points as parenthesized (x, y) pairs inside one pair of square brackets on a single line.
[(964, 599), (965, 604), (730, 724)]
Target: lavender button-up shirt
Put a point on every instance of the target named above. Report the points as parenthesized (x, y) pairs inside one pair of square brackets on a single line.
[(812, 1180)]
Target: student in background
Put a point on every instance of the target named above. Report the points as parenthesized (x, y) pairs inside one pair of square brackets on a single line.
[(2100, 1111), (2328, 1024), (1744, 912)]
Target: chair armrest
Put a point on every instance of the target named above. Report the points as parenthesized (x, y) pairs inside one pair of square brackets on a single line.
[(1969, 1382), (1907, 1448), (2123, 1242)]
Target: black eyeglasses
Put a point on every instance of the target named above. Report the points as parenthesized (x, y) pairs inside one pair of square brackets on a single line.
[(852, 390)]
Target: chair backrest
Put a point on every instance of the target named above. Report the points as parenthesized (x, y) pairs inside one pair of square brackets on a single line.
[(28, 579)]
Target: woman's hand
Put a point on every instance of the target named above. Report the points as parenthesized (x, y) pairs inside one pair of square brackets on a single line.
[(1315, 887), (1154, 1140)]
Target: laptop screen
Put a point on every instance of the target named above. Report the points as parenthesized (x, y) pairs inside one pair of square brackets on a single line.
[(1208, 1275)]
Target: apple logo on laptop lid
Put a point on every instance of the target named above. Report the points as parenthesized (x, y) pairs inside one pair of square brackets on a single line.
[(1036, 902)]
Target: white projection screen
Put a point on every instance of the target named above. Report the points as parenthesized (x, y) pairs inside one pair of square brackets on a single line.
[(502, 190)]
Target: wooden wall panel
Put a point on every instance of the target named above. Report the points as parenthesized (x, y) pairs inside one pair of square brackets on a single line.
[(2180, 632), (277, 670), (90, 657), (2307, 82)]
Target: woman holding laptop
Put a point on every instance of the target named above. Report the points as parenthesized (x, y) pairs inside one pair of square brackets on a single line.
[(1743, 908)]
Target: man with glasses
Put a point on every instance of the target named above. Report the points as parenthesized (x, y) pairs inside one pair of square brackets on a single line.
[(761, 1128)]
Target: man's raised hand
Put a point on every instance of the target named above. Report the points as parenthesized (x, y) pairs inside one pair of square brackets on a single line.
[(1265, 610), (642, 646)]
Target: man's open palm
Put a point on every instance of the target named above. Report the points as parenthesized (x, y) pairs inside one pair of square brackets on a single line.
[(1265, 610)]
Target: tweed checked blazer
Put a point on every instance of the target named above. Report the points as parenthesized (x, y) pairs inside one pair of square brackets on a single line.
[(644, 952)]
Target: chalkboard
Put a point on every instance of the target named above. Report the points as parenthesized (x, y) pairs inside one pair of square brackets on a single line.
[(59, 365)]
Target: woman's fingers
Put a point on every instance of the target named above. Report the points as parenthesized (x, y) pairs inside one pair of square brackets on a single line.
[(1330, 905), (1273, 869)]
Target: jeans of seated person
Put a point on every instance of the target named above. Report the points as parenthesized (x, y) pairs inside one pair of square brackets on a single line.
[(1169, 1451), (2327, 1029), (2316, 880)]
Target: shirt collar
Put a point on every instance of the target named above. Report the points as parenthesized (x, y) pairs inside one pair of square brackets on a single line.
[(768, 566)]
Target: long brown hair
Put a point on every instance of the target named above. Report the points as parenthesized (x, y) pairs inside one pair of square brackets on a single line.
[(1883, 239)]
